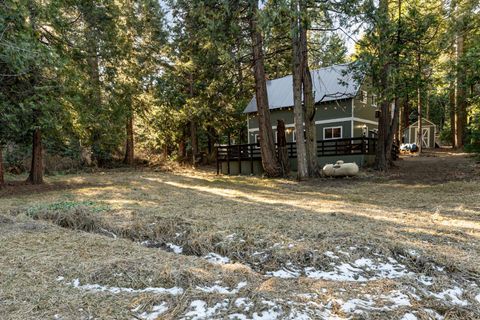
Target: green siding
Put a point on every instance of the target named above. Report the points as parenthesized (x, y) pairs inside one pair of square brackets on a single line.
[(325, 111), (358, 128), (364, 110), (334, 110)]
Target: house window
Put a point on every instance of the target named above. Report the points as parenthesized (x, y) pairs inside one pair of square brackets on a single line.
[(374, 100), (332, 133), (257, 140), (364, 96)]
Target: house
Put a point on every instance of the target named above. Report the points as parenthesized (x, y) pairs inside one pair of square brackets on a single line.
[(429, 130), (345, 122), (344, 107)]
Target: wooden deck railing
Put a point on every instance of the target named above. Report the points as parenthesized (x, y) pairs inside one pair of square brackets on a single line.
[(336, 147)]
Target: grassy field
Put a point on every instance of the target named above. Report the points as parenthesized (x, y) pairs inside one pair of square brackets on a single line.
[(193, 245)]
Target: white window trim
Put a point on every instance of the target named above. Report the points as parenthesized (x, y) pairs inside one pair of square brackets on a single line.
[(338, 127), (374, 100), (294, 136), (366, 131), (257, 135), (364, 97)]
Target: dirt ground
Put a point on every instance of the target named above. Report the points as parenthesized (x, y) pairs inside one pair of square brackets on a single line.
[(192, 245)]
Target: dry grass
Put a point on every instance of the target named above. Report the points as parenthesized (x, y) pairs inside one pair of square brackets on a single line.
[(68, 232)]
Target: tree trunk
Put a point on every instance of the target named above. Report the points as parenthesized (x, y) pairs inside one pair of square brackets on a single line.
[(94, 98), (129, 145), (453, 128), (282, 148), (309, 101), (2, 180), (297, 74), (36, 169), (267, 146), (427, 105), (460, 96), (380, 154), (381, 162), (194, 141), (419, 123), (391, 133), (181, 149)]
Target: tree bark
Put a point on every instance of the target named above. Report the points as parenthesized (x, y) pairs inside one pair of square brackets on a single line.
[(2, 180), (391, 133), (36, 169), (181, 149), (453, 128), (129, 145), (194, 141), (282, 148), (419, 123), (94, 96), (297, 74), (460, 96), (267, 146), (309, 101), (381, 162)]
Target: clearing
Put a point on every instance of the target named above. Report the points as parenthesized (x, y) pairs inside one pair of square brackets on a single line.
[(193, 245)]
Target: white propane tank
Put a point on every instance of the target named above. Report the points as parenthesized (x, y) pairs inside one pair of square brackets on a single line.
[(340, 169)]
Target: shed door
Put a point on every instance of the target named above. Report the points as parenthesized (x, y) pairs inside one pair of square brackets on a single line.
[(425, 137)]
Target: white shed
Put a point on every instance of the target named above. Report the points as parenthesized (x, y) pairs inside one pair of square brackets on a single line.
[(429, 130)]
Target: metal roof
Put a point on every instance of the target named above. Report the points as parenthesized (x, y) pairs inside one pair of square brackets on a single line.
[(330, 83)]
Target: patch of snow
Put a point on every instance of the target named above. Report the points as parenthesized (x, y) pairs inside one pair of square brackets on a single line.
[(382, 270), (343, 252), (244, 303), (413, 253), (176, 249), (397, 298), (391, 301), (298, 315), (237, 316), (434, 314), (222, 290), (409, 316), (342, 272), (267, 315), (331, 255), (146, 243), (200, 310), (284, 273), (216, 258), (439, 268), (156, 311), (425, 280), (352, 305), (99, 288), (308, 295), (477, 297), (60, 278), (451, 295)]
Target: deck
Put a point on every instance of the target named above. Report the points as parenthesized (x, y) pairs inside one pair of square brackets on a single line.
[(335, 147)]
